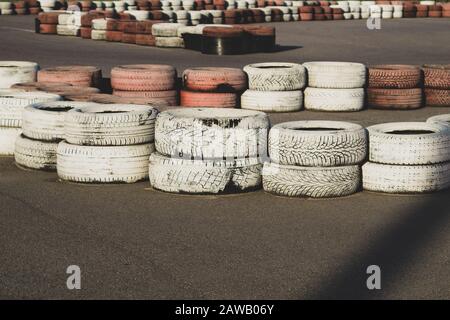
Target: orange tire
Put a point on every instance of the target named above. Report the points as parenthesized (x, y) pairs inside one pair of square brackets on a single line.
[(170, 96), (396, 76), (437, 97), (395, 99), (85, 32), (145, 40), (437, 76), (143, 77), (114, 36), (210, 79), (86, 76), (207, 99), (47, 28)]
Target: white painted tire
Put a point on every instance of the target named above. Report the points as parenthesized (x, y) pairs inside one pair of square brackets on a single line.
[(314, 182), (5, 5), (45, 121), (98, 34), (317, 143), (12, 72), (205, 133), (169, 42), (406, 179), (272, 101), (204, 176), (67, 30), (99, 24), (66, 19), (275, 76), (320, 99), (165, 29), (388, 147), (336, 75), (35, 154), (440, 119), (95, 164), (110, 125), (8, 138), (13, 103), (139, 15)]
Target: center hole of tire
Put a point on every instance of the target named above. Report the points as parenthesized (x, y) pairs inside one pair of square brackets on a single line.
[(57, 109), (317, 129), (274, 67), (410, 132)]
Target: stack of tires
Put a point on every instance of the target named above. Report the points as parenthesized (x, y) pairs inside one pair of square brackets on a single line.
[(83, 76), (437, 85), (306, 13), (14, 72), (335, 86), (408, 157), (387, 11), (166, 35), (48, 22), (212, 87), (318, 159), (144, 36), (99, 28), (154, 83), (6, 8), (69, 24), (409, 10), (421, 11), (274, 87), (106, 143), (445, 10), (47, 5), (86, 23), (395, 87), (208, 151)]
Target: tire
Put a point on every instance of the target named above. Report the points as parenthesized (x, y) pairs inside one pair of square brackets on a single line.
[(272, 101), (84, 76), (145, 40), (409, 143), (437, 76), (45, 121), (437, 98), (169, 42), (170, 96), (317, 143), (400, 99), (204, 177), (110, 125), (13, 103), (214, 79), (166, 29), (406, 179), (395, 76), (208, 99), (143, 77), (67, 30), (35, 154), (111, 164), (47, 28), (319, 99), (211, 133), (273, 76), (314, 182), (140, 15), (12, 72), (8, 138), (98, 34), (336, 75), (440, 119)]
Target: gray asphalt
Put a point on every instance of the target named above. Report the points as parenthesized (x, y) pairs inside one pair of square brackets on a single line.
[(134, 242)]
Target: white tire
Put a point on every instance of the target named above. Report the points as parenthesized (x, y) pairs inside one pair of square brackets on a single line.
[(275, 76), (67, 30), (165, 29), (13, 103), (169, 42), (211, 133), (66, 19), (45, 121), (35, 154), (181, 15), (317, 143), (111, 164), (139, 15), (98, 34), (334, 99), (387, 15), (314, 182), (5, 5), (409, 143), (110, 125), (406, 179), (441, 119), (336, 75), (99, 24), (272, 101), (12, 72), (204, 176), (8, 138)]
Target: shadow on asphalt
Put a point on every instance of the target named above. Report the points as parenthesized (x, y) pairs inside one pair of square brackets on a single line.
[(392, 251), (280, 48)]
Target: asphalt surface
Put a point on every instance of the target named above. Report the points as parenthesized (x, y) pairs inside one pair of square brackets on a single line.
[(134, 242)]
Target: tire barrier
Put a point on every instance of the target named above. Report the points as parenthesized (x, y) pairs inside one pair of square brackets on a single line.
[(14, 72), (437, 85), (86, 76)]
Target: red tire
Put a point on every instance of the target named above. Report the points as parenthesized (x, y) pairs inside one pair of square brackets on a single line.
[(114, 36), (395, 76), (306, 16), (38, 86), (85, 32), (435, 14), (207, 99), (145, 27), (437, 97), (129, 38), (211, 79), (396, 99), (49, 17), (47, 28), (86, 76), (145, 40), (170, 96), (437, 76), (143, 77)]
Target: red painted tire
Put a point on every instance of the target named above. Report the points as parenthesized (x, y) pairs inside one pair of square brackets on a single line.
[(85, 32), (306, 16), (129, 38), (47, 28), (207, 99), (170, 96), (49, 17), (86, 76), (145, 27), (306, 9), (395, 99), (145, 40), (34, 10), (437, 76), (437, 97), (143, 77), (114, 36), (435, 14), (395, 76), (212, 79)]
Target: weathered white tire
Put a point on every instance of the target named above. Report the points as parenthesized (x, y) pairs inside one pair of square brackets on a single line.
[(67, 30), (8, 138), (315, 182), (397, 14), (5, 5), (275, 76), (98, 34), (111, 164), (110, 125), (45, 121), (320, 99), (165, 29), (169, 42), (205, 133), (12, 72), (66, 19), (441, 119), (336, 75), (204, 176), (388, 145), (35, 154), (13, 103), (272, 101), (317, 143), (406, 179), (99, 24), (140, 15)]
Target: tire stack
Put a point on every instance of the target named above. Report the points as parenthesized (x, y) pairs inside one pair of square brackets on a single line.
[(437, 85), (445, 10), (20, 7), (409, 10), (434, 11), (108, 143), (212, 87), (408, 157), (440, 119), (421, 11), (317, 159), (306, 13), (129, 32), (14, 72), (398, 11), (48, 22), (395, 87), (223, 40), (83, 76), (166, 35), (274, 87), (335, 86), (144, 36), (6, 8), (152, 82), (86, 23), (33, 6), (69, 24), (208, 151)]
